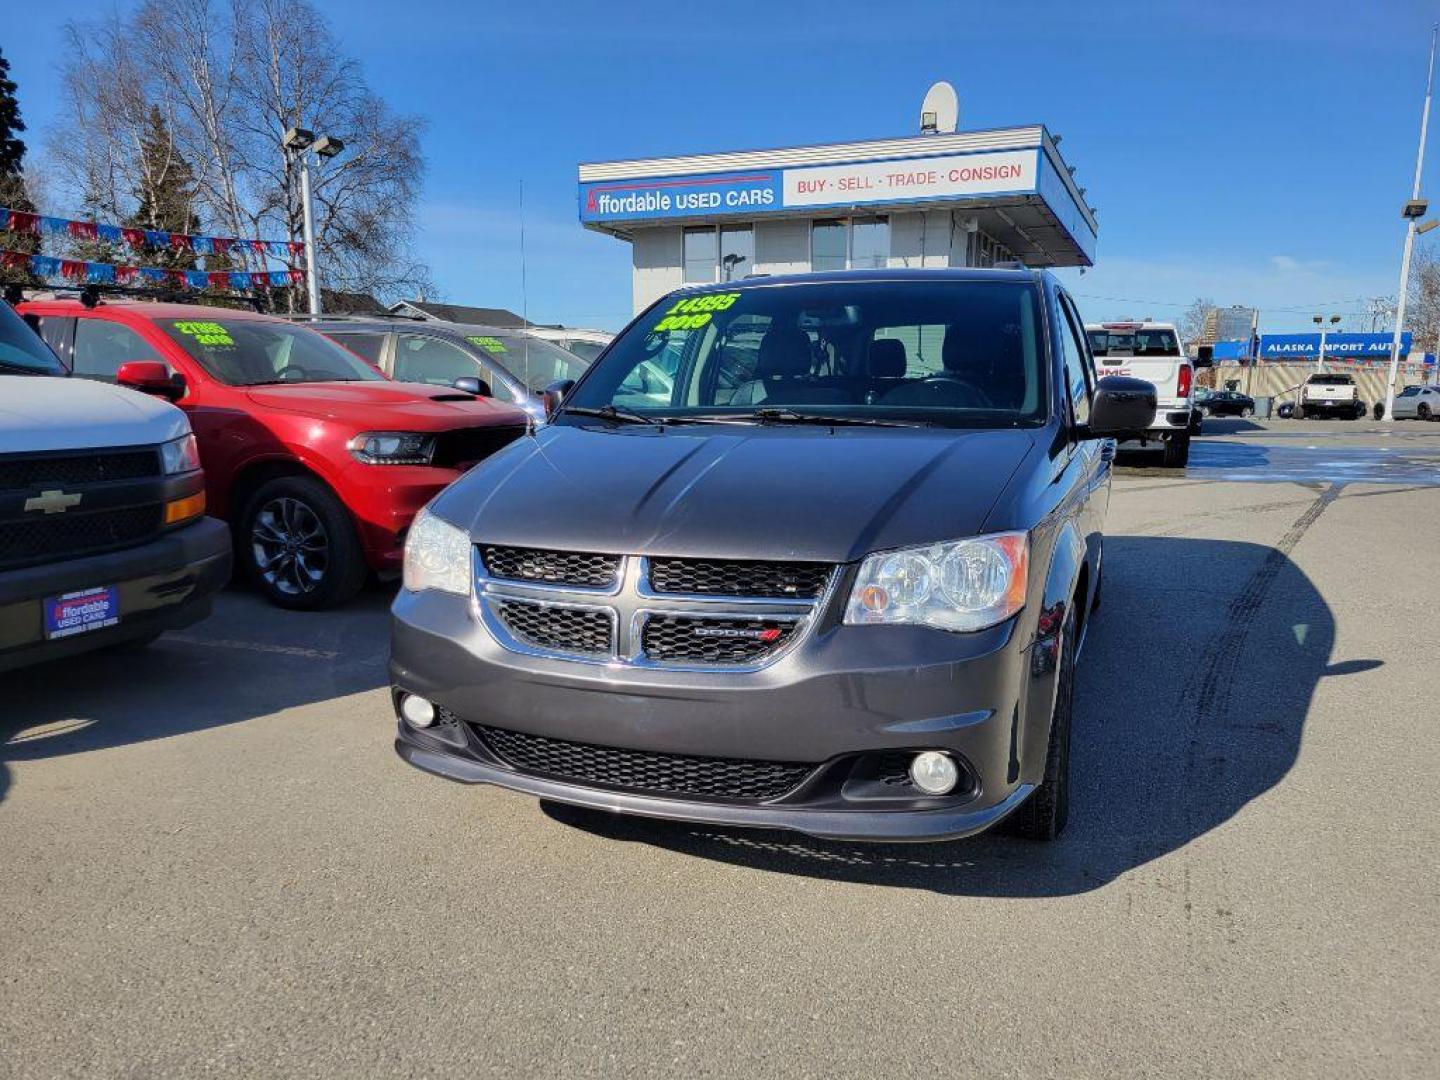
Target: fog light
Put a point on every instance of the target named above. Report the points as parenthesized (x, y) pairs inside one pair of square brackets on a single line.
[(417, 711), (934, 773)]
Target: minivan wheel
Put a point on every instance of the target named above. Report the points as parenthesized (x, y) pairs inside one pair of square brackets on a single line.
[(1177, 451), (298, 545), (1043, 815)]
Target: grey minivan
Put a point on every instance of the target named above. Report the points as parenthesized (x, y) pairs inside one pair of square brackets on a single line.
[(813, 552)]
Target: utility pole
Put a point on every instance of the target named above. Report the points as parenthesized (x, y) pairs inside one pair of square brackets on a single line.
[(312, 282), (1414, 210)]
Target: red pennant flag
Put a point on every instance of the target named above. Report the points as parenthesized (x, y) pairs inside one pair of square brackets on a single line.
[(134, 237), (15, 260), (296, 248), (176, 278), (219, 279), (297, 277), (181, 242), (258, 246), (72, 268), (21, 222), (221, 244), (124, 275), (84, 230)]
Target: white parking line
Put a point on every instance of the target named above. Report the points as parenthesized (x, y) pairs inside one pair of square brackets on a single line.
[(254, 646)]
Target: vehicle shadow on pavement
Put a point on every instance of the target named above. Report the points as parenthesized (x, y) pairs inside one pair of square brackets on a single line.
[(1192, 694), (246, 660)]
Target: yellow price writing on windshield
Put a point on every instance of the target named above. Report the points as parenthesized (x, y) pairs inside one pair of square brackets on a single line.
[(489, 344), (693, 312), (206, 333)]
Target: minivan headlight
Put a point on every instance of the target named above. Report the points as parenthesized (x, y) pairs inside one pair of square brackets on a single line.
[(180, 455), (393, 448), (962, 585), (437, 556)]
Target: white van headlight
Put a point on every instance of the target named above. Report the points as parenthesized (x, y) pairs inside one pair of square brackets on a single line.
[(437, 556), (180, 455), (961, 585)]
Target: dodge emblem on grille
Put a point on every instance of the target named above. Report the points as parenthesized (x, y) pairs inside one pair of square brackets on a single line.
[(767, 635), (52, 502)]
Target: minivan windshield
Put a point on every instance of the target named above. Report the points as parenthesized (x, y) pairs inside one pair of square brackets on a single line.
[(953, 353), (535, 362), (21, 350), (258, 352), (1113, 342)]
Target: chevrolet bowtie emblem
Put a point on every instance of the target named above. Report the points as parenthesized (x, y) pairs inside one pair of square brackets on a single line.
[(52, 502)]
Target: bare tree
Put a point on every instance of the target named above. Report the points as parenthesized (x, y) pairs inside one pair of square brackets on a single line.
[(228, 77), (1192, 320), (1422, 308)]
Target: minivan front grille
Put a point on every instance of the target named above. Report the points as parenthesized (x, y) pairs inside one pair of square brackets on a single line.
[(553, 628), (25, 472), (551, 567), (643, 771), (697, 639), (737, 577)]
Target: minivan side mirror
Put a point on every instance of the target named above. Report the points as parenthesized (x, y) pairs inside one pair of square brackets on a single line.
[(554, 394), (471, 385), (151, 377), (1123, 408)]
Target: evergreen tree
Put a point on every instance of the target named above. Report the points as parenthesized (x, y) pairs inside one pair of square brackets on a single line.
[(165, 196), (12, 177)]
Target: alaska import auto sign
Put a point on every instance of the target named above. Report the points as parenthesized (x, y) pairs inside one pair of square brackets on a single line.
[(760, 191)]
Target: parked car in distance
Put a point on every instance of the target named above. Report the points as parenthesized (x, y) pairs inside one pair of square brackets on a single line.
[(513, 365), (1330, 393), (103, 538), (836, 583), (1418, 403), (586, 344), (1224, 403), (1152, 351), (317, 460)]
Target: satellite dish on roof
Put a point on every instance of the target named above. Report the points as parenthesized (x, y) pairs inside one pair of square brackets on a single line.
[(940, 112)]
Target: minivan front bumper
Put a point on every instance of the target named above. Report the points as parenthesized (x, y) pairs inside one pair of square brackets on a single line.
[(847, 698)]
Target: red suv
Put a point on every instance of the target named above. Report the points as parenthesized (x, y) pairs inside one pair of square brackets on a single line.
[(316, 459)]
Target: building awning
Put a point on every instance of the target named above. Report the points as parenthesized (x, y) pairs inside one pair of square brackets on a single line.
[(1012, 181)]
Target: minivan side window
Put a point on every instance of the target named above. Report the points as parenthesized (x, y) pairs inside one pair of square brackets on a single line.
[(102, 346), (421, 358), (1079, 377), (366, 346)]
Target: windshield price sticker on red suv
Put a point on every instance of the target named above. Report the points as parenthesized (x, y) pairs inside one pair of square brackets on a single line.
[(489, 344), (206, 333), (694, 311)]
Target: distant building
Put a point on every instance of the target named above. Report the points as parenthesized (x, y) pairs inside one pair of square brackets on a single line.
[(1227, 324)]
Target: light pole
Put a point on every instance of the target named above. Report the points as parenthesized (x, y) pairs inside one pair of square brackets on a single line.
[(1319, 321), (1413, 212), (298, 143)]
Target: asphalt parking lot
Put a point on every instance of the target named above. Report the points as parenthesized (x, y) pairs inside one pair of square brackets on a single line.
[(211, 861)]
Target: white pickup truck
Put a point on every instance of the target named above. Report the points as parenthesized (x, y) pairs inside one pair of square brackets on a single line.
[(1151, 351), (103, 538), (1330, 394)]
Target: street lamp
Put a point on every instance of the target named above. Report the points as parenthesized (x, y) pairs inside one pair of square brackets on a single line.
[(297, 142), (1319, 321)]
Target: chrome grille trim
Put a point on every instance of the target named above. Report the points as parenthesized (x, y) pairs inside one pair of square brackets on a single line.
[(630, 604)]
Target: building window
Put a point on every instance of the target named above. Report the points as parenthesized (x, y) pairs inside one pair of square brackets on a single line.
[(737, 252), (700, 254), (869, 243), (855, 244), (827, 245)]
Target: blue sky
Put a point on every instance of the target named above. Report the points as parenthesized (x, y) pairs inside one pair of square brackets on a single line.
[(1249, 152)]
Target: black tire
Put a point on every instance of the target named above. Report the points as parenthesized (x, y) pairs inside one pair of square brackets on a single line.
[(298, 545), (1304, 413), (1177, 451), (1247, 412), (1043, 815), (1379, 410), (1423, 411)]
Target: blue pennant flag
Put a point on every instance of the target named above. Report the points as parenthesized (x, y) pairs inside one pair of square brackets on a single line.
[(45, 265), (153, 273), (100, 273), (54, 226), (201, 245), (197, 279), (240, 279), (157, 238), (279, 278), (109, 233)]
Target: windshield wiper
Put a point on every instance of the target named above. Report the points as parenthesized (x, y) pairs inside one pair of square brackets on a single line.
[(786, 415), (610, 412), (22, 369)]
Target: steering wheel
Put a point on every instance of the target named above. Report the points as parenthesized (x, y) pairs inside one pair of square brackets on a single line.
[(302, 373), (981, 398)]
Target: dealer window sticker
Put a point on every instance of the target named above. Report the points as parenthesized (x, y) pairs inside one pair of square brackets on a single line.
[(205, 333), (693, 312), (489, 344)]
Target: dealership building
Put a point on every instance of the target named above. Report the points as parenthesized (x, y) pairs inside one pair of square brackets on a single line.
[(973, 198)]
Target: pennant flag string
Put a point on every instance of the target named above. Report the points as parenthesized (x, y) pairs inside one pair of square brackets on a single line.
[(21, 222), (80, 271)]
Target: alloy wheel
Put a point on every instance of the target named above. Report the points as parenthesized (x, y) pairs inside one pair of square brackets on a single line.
[(290, 547)]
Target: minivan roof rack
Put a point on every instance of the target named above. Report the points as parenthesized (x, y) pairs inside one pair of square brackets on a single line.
[(91, 295)]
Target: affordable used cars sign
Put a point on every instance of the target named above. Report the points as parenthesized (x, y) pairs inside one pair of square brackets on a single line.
[(760, 191)]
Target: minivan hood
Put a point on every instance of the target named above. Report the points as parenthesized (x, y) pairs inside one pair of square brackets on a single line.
[(42, 412), (386, 405), (819, 494)]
